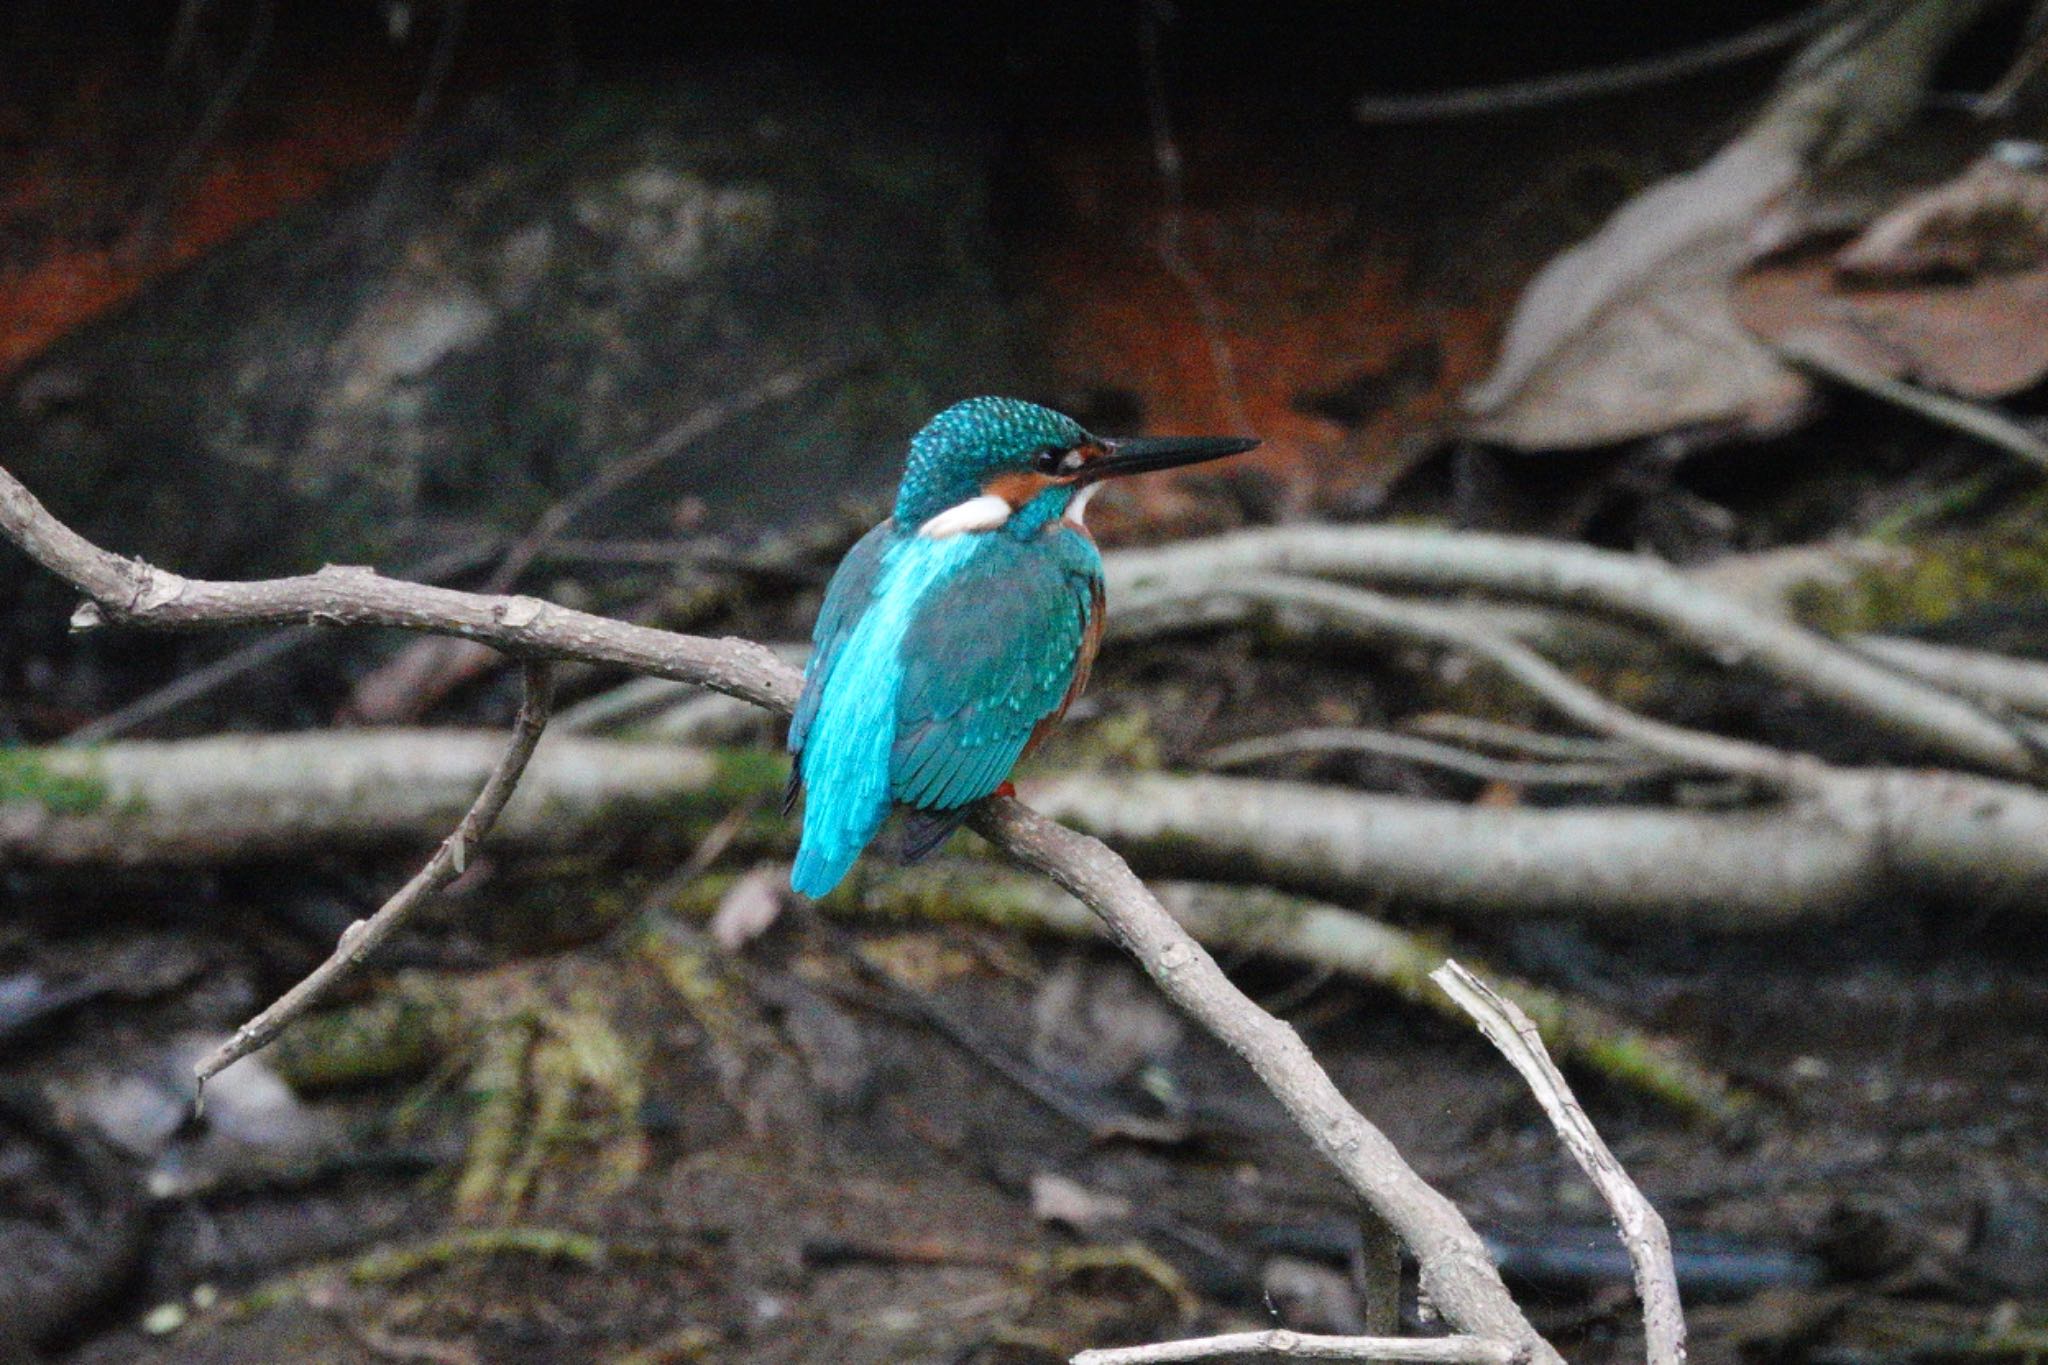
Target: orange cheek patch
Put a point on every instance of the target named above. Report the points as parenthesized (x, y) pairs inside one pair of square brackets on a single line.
[(1018, 489)]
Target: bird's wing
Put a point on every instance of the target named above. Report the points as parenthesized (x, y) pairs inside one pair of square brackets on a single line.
[(989, 656), (846, 597)]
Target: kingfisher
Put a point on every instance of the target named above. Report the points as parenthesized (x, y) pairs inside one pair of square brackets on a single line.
[(956, 633)]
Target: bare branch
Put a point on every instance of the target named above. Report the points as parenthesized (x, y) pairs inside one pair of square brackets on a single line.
[(1379, 616), (1456, 1270), (1281, 1344), (1642, 1229), (189, 687), (364, 937), (1864, 834), (130, 592), (1429, 753), (1452, 1262), (1173, 579)]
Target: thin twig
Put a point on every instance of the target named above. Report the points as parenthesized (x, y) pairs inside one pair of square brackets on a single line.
[(1571, 86), (364, 937), (187, 688), (1479, 733), (1281, 1344), (651, 455), (1410, 749), (1977, 420), (1642, 1229)]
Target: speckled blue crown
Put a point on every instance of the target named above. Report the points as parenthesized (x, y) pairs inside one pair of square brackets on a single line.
[(962, 448)]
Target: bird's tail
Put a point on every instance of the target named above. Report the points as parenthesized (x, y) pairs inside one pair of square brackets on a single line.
[(838, 824), (820, 867)]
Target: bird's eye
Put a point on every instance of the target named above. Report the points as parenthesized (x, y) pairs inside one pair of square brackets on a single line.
[(1047, 461)]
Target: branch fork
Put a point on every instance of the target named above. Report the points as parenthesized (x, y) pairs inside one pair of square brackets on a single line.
[(1459, 1277)]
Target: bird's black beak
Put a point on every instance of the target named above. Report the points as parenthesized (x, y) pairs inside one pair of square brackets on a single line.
[(1143, 454)]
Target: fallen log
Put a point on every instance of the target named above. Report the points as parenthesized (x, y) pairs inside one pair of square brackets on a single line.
[(1850, 838)]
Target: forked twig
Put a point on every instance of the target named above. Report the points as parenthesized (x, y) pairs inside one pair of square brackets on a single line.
[(1451, 1258), (1567, 87), (1642, 1229), (363, 937)]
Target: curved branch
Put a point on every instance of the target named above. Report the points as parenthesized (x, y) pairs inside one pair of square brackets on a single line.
[(130, 592), (1384, 617), (1642, 1229)]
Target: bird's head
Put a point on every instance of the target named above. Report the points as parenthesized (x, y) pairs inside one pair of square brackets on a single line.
[(990, 462)]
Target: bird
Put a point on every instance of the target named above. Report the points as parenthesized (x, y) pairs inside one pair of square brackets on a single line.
[(956, 633)]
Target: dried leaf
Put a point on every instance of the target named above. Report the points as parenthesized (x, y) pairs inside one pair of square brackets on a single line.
[(1634, 332), (1631, 333), (1982, 338), (1991, 218)]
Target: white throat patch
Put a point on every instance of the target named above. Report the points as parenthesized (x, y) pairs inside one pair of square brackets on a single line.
[(1078, 507), (984, 513)]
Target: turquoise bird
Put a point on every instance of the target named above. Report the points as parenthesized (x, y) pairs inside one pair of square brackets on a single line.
[(955, 633)]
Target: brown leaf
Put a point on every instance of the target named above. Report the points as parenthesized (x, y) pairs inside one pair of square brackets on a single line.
[(1993, 218), (1982, 338), (1634, 332), (1631, 333)]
